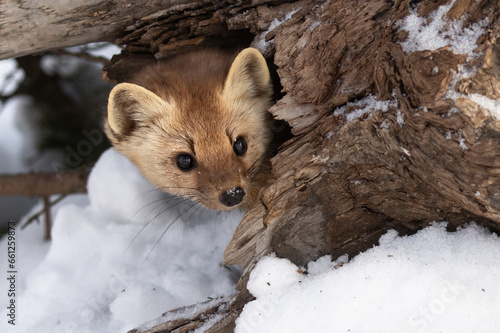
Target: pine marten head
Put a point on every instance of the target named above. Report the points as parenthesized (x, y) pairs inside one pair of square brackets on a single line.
[(197, 126)]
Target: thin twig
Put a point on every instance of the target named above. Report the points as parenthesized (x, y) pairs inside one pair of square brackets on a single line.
[(46, 208), (43, 211)]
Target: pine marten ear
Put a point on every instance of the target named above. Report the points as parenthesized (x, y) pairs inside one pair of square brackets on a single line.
[(130, 106), (248, 76)]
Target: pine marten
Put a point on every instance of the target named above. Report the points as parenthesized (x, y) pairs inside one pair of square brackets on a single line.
[(197, 126)]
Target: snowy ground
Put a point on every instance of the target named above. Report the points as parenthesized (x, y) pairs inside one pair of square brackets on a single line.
[(113, 263), (433, 281)]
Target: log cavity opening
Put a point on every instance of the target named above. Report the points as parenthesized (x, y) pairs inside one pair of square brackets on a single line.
[(282, 131)]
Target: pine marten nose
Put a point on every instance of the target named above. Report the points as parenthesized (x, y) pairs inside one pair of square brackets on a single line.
[(232, 197)]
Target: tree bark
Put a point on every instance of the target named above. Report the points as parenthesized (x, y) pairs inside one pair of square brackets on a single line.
[(345, 178)]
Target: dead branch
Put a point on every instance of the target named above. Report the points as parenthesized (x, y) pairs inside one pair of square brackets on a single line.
[(45, 184), (47, 204), (46, 211)]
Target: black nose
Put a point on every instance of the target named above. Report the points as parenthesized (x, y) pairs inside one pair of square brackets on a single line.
[(232, 197)]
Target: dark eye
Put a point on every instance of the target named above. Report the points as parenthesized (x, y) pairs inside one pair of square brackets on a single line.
[(185, 162), (240, 146)]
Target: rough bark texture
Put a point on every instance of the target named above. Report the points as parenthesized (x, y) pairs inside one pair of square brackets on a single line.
[(192, 317), (340, 183)]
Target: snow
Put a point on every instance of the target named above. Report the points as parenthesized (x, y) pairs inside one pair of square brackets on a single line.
[(431, 33), (400, 118), (435, 31), (433, 281), (366, 105), (12, 138), (10, 76), (18, 151), (491, 106), (261, 44), (486, 103), (115, 261)]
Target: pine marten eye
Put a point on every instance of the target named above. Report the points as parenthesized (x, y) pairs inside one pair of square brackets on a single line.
[(240, 146), (185, 162)]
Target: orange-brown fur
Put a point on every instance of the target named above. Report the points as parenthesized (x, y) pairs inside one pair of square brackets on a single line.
[(199, 104)]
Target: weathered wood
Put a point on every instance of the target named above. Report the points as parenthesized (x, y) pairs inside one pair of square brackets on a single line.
[(189, 318), (40, 25)]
